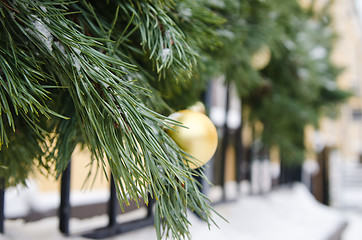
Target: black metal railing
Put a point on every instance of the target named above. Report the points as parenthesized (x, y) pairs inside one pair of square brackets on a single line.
[(65, 207), (113, 228), (2, 205), (225, 142)]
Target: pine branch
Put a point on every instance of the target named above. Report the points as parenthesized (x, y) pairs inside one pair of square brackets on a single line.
[(65, 72)]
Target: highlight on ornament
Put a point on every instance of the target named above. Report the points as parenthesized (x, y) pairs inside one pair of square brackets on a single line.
[(197, 137)]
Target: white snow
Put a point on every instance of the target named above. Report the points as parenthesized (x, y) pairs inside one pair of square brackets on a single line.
[(353, 230), (217, 3), (185, 12), (318, 52), (43, 33), (282, 214), (226, 33), (165, 54), (22, 200), (60, 47)]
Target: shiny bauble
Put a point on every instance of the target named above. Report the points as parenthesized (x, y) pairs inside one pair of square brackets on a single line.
[(261, 58), (198, 136)]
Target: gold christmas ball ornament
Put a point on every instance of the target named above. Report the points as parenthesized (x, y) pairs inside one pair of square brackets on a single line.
[(261, 58), (198, 137)]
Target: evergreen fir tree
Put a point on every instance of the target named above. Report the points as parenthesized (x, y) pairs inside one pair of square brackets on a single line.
[(298, 86)]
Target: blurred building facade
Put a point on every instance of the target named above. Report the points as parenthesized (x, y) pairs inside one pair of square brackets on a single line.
[(345, 133), (337, 144)]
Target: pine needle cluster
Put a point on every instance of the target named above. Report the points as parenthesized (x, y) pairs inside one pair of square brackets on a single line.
[(100, 74)]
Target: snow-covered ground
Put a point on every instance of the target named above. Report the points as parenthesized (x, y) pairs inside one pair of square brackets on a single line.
[(288, 213), (354, 228)]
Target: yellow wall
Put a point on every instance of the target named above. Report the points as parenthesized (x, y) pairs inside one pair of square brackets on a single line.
[(80, 168), (344, 134)]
